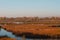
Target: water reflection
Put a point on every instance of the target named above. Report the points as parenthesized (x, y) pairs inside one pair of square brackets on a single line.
[(9, 34), (6, 33)]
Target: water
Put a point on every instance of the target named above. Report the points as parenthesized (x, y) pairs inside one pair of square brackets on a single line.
[(9, 34)]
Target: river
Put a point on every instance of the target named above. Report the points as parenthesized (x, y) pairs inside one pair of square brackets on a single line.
[(9, 34)]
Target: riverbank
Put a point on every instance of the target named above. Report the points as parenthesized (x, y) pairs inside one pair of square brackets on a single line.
[(39, 29), (6, 38)]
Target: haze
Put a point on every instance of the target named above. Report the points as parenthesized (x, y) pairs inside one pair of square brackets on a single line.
[(18, 8)]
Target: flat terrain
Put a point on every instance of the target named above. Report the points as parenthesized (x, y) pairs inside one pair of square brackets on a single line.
[(4, 38), (39, 29), (32, 25)]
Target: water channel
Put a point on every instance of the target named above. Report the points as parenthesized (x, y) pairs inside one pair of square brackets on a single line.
[(9, 34)]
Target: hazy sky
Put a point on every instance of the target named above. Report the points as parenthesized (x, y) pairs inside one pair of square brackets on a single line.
[(41, 8)]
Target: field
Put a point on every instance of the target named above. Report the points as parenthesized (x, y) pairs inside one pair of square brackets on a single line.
[(4, 38), (32, 26)]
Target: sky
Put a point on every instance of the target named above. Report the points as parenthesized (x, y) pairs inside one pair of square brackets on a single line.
[(19, 8)]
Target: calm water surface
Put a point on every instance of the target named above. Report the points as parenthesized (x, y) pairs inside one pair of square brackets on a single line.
[(9, 34)]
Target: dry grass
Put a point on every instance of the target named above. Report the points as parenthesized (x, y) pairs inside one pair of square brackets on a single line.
[(7, 39), (32, 28)]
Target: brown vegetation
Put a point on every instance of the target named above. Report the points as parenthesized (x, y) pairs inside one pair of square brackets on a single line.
[(35, 20), (33, 28), (7, 38), (34, 25)]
